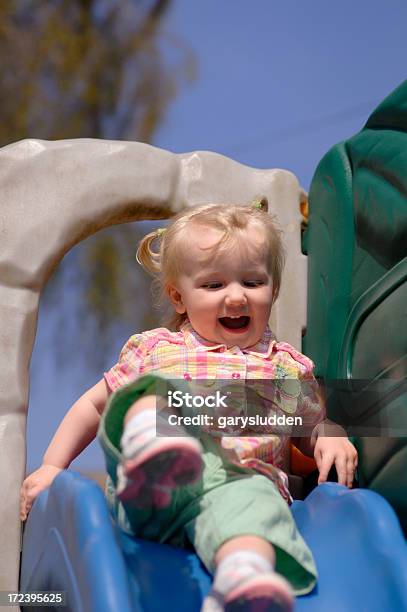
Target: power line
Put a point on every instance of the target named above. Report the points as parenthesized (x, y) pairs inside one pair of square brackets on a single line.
[(302, 127)]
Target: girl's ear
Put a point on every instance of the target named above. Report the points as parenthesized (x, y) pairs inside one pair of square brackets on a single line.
[(175, 298)]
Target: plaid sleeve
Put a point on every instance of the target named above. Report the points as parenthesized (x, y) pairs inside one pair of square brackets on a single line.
[(311, 405), (129, 365)]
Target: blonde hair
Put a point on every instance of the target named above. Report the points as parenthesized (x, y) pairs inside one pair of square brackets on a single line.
[(165, 263)]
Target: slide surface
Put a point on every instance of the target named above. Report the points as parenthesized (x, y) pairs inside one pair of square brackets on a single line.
[(70, 544)]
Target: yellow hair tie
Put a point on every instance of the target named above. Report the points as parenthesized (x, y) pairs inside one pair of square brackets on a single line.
[(261, 203), (160, 231)]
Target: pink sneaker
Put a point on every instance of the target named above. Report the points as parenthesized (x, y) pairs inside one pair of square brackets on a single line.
[(148, 476), (268, 592)]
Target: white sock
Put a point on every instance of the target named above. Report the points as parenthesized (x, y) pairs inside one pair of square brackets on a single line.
[(237, 567), (231, 571), (143, 426)]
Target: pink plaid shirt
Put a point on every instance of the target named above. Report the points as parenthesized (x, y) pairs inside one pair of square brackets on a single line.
[(185, 354)]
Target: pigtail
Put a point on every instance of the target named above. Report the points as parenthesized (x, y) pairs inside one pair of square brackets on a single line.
[(146, 256), (259, 206)]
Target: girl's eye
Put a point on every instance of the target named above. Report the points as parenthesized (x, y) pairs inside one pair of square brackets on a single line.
[(212, 285), (255, 283)]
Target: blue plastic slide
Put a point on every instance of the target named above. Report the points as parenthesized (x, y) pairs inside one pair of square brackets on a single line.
[(71, 544)]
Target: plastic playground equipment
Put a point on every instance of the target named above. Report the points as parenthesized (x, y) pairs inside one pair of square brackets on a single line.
[(357, 269)]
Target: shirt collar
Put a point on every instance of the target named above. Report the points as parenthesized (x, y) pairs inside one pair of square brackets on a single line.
[(193, 341)]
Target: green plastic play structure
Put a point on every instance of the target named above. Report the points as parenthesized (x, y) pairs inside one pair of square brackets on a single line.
[(356, 243)]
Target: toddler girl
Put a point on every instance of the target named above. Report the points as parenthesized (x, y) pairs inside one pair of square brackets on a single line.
[(220, 266)]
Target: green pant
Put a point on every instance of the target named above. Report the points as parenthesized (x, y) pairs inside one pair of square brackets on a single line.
[(226, 502)]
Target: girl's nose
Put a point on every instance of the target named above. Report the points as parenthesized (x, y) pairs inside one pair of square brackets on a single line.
[(236, 297)]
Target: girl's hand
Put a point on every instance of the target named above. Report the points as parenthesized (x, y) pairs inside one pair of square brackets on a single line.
[(339, 451), (33, 485)]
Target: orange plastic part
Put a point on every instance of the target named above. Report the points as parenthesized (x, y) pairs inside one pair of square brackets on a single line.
[(300, 464)]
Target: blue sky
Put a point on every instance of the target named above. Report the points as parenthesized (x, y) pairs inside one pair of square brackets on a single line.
[(278, 84), (276, 80)]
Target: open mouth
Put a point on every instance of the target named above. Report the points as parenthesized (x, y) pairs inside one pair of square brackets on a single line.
[(235, 323)]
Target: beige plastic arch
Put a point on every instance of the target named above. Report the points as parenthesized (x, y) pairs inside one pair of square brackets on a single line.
[(55, 194)]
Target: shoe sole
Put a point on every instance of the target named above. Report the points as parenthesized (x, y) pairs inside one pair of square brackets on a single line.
[(261, 595), (154, 474)]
